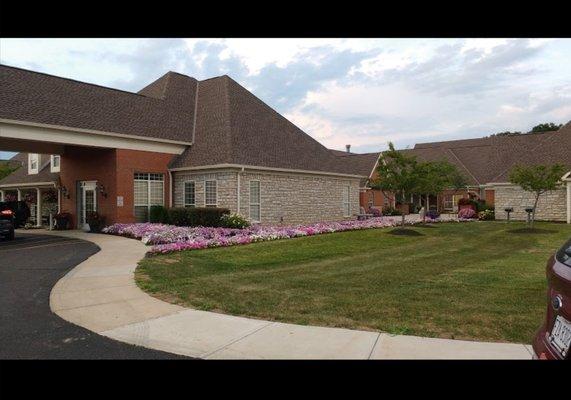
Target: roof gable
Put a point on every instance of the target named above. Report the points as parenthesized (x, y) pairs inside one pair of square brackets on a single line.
[(46, 99), (490, 159)]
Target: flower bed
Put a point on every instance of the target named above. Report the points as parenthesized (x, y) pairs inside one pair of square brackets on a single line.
[(169, 238)]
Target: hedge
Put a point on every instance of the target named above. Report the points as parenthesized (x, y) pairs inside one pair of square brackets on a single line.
[(197, 216), (159, 214)]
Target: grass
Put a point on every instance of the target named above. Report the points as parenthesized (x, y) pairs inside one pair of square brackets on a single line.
[(475, 281)]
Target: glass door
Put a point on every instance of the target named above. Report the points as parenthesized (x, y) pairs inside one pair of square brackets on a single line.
[(88, 202)]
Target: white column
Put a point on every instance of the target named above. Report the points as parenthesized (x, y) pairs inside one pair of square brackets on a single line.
[(38, 207), (569, 202), (19, 194), (1, 195)]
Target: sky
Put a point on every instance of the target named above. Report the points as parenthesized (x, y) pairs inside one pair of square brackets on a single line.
[(363, 92)]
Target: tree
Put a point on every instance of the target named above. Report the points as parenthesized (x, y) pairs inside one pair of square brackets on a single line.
[(5, 169), (507, 133), (537, 179), (398, 173), (435, 176), (550, 126)]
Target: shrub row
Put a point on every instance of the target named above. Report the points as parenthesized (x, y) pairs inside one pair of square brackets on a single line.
[(196, 216)]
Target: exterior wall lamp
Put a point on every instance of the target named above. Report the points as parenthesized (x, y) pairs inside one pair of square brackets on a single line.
[(64, 192), (101, 190)]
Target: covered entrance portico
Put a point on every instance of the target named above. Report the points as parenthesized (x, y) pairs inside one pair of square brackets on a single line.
[(96, 171)]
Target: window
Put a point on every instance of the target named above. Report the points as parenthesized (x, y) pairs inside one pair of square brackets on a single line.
[(55, 162), (189, 194), (211, 198), (255, 201), (448, 202), (346, 201), (33, 161), (149, 191)]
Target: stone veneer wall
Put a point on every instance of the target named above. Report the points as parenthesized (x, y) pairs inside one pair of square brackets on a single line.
[(288, 198), (552, 206)]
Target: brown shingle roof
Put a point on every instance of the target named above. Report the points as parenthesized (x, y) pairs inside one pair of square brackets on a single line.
[(490, 159), (233, 126), (21, 174), (47, 99)]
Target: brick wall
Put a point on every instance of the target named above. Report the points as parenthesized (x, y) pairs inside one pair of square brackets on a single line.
[(130, 162), (297, 198), (114, 169), (551, 206), (88, 164)]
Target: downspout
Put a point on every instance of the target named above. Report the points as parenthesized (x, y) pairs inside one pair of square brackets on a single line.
[(238, 190), (170, 189), (569, 201)]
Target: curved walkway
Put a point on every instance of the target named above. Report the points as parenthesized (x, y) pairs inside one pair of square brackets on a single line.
[(30, 265), (100, 294)]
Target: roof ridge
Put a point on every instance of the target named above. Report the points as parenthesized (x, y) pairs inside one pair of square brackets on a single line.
[(463, 165), (74, 80)]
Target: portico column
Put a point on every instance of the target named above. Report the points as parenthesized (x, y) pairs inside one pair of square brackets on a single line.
[(569, 201), (1, 195), (58, 201), (38, 207), (19, 194)]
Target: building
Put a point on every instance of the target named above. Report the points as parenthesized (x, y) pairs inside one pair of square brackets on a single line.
[(486, 163), (177, 142)]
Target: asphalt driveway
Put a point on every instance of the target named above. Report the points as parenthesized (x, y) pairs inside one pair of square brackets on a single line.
[(29, 267)]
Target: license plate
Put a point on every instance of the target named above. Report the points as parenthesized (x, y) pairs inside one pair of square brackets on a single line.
[(561, 335)]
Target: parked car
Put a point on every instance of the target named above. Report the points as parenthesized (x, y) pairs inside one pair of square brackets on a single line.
[(7, 219), (20, 209), (553, 339)]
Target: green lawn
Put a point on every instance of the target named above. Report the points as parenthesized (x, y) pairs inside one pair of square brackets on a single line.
[(458, 280)]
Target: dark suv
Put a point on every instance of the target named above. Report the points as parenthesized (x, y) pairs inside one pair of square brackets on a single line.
[(7, 221), (20, 210), (553, 340)]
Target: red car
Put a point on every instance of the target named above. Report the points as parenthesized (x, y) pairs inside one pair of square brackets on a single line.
[(553, 340)]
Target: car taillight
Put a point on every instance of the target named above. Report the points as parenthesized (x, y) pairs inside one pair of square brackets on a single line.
[(6, 212)]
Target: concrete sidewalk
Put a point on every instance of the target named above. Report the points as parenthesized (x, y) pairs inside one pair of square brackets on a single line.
[(100, 294)]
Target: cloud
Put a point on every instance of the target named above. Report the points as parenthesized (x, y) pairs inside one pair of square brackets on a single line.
[(363, 92)]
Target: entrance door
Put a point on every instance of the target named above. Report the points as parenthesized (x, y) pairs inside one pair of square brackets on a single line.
[(88, 202)]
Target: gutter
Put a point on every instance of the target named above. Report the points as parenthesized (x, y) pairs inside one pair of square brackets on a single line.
[(271, 169), (93, 132), (33, 184)]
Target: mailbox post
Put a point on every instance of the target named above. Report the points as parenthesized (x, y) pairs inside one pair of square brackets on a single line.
[(508, 210)]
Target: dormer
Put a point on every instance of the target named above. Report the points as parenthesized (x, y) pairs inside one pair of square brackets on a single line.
[(33, 163), (55, 161)]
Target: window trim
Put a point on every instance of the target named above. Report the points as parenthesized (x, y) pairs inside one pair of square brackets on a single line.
[(259, 203), (148, 182), (347, 202), (215, 192), (52, 168), (33, 171), (184, 203)]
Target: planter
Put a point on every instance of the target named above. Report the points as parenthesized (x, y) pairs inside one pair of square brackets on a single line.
[(63, 222), (95, 227)]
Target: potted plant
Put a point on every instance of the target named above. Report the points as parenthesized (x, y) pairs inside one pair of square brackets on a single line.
[(63, 221), (95, 221)]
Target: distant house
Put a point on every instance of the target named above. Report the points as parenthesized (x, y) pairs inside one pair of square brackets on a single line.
[(486, 164), (177, 142)]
